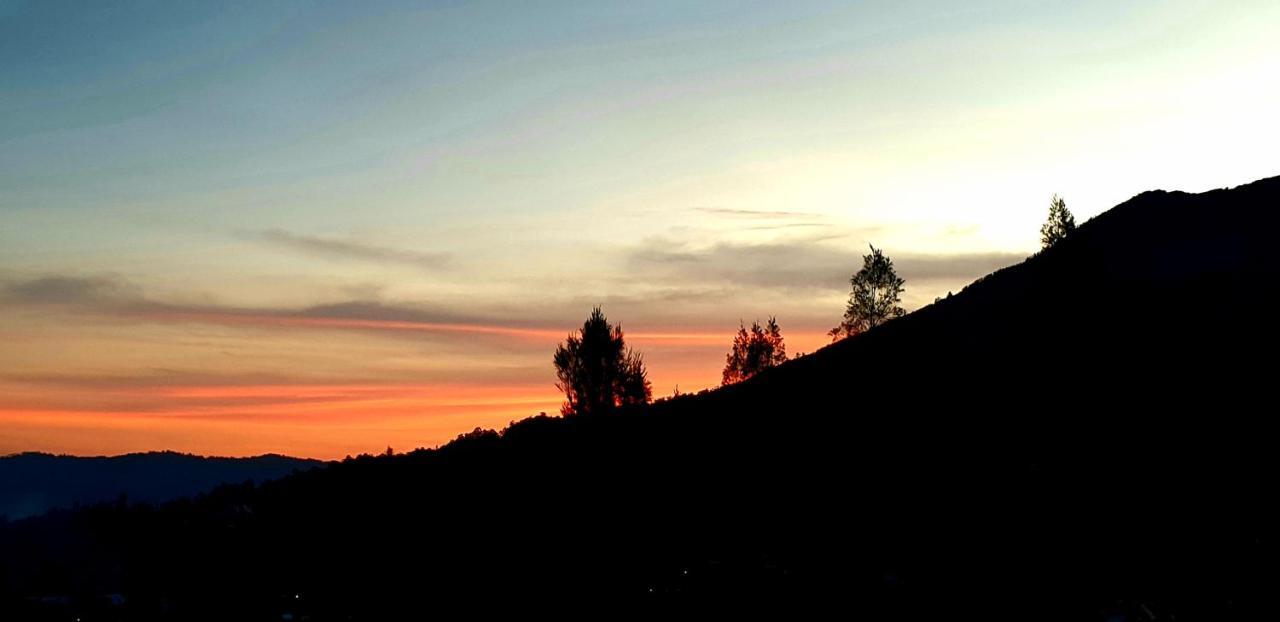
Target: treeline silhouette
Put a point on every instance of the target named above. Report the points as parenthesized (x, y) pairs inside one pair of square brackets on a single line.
[(1082, 436), (598, 373)]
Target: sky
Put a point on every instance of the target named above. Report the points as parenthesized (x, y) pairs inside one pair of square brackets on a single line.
[(324, 228)]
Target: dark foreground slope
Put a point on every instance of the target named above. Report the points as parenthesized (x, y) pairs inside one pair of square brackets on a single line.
[(33, 483), (1081, 436)]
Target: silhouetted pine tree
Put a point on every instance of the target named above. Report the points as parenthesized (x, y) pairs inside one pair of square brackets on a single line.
[(1060, 224), (597, 371), (877, 290)]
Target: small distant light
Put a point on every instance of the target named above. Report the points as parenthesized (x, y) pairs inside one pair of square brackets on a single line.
[(297, 596), (685, 571)]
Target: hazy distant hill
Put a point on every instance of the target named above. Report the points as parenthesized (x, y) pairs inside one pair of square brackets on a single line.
[(32, 483), (1087, 435)]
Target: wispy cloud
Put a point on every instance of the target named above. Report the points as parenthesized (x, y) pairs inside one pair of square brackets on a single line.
[(751, 213), (71, 290), (796, 265), (116, 298), (355, 250), (788, 225)]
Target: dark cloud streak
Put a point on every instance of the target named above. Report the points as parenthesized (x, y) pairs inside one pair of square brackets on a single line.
[(71, 290), (795, 265), (348, 249), (750, 213), (115, 297)]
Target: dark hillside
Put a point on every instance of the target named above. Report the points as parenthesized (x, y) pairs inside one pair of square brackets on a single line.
[(1084, 435)]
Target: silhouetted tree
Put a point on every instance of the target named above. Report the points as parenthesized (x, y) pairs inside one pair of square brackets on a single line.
[(754, 351), (1060, 224), (877, 290), (597, 371)]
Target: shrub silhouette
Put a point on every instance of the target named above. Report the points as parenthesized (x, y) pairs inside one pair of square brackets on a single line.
[(597, 371), (754, 351), (877, 290)]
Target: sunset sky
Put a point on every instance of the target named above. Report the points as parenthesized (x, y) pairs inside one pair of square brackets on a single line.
[(322, 228)]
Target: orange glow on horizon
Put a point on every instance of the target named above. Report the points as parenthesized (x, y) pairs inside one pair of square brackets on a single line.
[(305, 420), (106, 416)]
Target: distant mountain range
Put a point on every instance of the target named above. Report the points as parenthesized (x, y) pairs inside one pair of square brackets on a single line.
[(33, 483)]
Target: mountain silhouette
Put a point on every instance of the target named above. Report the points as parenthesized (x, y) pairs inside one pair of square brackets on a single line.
[(33, 483), (1083, 435)]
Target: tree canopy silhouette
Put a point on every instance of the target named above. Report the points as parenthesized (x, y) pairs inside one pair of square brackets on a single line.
[(597, 371), (754, 351), (877, 290), (1060, 224)]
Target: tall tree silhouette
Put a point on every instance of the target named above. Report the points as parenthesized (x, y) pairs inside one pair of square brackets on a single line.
[(597, 371), (877, 290), (1060, 224), (754, 351)]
